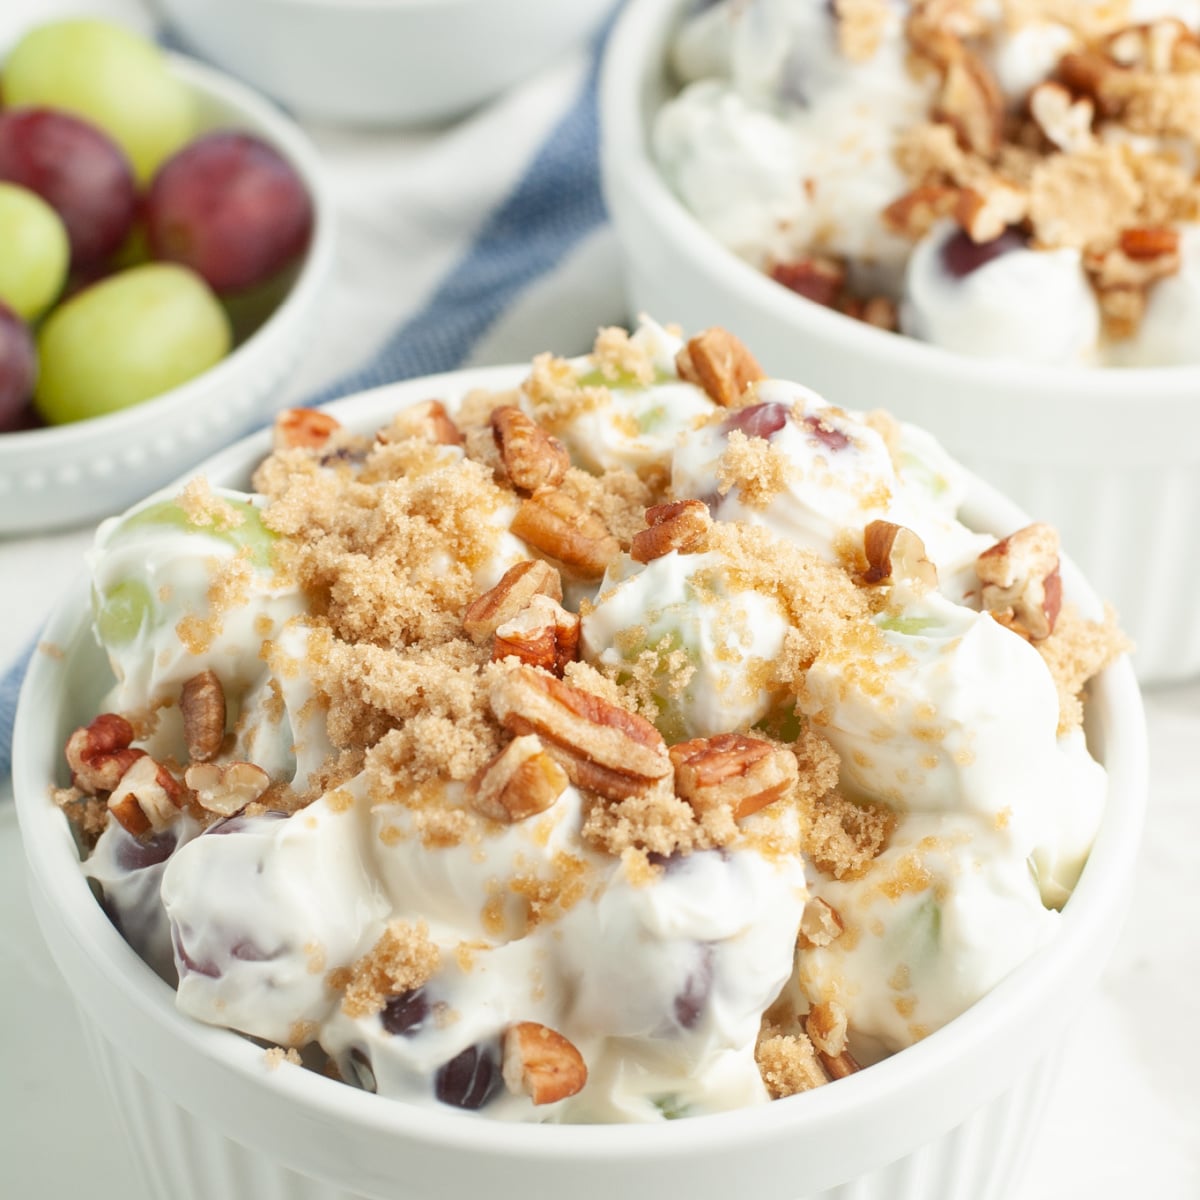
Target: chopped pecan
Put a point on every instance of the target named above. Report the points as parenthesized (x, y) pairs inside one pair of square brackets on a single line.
[(517, 587), (985, 214), (915, 213), (557, 525), (147, 798), (544, 634), (227, 788), (426, 422), (732, 770), (820, 924), (1147, 243), (821, 280), (720, 364), (1022, 587), (838, 1066), (540, 1063), (681, 526), (202, 703), (601, 746), (303, 428), (532, 458), (1065, 121), (1141, 257), (100, 753), (521, 781), (826, 1028), (894, 552), (1090, 73), (971, 103)]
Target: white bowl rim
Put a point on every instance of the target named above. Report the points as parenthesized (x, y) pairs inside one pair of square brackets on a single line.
[(628, 66), (290, 140), (1096, 906)]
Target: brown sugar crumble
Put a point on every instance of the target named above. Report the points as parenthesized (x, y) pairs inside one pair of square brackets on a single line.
[(403, 959)]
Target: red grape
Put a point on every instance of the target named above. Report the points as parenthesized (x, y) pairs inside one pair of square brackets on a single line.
[(961, 256), (18, 368), (758, 420), (231, 208), (78, 170)]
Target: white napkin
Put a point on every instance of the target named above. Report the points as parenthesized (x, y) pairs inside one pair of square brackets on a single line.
[(480, 242)]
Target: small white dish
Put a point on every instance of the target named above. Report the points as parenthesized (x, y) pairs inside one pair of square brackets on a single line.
[(950, 1117), (67, 474), (1109, 456), (383, 62)]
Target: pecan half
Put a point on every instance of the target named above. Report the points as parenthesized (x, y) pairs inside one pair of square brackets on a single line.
[(303, 428), (681, 526), (540, 1063), (554, 523), (521, 781), (100, 753), (517, 587), (731, 769), (147, 798), (820, 924), (895, 552), (601, 746), (970, 101), (1065, 120), (542, 635), (1022, 587), (720, 364), (427, 422), (532, 458), (202, 703), (227, 788)]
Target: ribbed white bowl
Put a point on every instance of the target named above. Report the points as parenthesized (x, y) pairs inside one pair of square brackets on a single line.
[(948, 1119), (1111, 457), (68, 474)]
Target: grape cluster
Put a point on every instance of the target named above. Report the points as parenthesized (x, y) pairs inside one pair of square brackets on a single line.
[(135, 251)]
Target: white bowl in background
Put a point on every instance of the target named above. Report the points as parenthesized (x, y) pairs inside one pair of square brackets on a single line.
[(383, 62), (1109, 456), (949, 1118), (68, 474)]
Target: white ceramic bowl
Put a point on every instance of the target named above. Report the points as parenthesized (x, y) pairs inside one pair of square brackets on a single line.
[(382, 62), (68, 474), (1111, 457), (947, 1119)]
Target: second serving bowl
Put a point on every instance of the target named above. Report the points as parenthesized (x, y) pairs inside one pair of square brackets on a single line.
[(1109, 456)]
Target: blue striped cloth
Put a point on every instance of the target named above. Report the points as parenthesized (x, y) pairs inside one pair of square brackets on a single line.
[(549, 211)]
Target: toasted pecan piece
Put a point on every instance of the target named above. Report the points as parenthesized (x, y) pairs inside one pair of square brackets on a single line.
[(303, 428), (227, 788), (895, 552), (557, 525), (202, 703), (521, 781), (970, 101), (540, 1063), (1022, 587), (681, 526), (100, 753), (543, 634), (734, 770), (532, 458), (719, 363), (915, 213), (147, 798), (516, 588), (427, 421), (820, 924), (602, 747)]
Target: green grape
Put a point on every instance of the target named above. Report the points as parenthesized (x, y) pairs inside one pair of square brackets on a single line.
[(36, 252), (621, 381), (109, 76), (671, 1107), (251, 534), (126, 339), (910, 626), (122, 611)]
